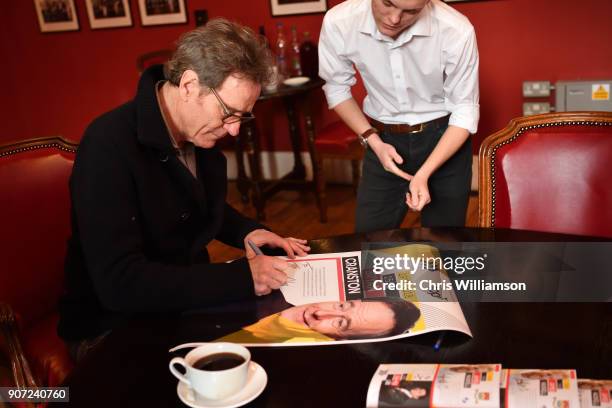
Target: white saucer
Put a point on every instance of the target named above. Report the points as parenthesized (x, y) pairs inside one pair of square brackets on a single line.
[(296, 81), (256, 382)]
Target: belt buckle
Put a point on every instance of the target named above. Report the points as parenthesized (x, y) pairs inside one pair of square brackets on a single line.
[(420, 128)]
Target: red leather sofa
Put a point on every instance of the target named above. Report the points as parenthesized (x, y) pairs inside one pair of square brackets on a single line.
[(549, 173), (35, 211)]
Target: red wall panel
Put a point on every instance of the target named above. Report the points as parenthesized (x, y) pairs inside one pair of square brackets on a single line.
[(56, 83)]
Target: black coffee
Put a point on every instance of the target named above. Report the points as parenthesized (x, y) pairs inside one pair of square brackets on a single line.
[(218, 362)]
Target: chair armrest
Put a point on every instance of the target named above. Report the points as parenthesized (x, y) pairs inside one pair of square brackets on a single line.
[(22, 375)]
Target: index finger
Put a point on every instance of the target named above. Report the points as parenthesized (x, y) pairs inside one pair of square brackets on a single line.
[(400, 173)]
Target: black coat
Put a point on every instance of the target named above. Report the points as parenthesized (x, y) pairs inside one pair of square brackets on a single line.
[(141, 223)]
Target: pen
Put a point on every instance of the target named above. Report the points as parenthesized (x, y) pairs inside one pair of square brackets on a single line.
[(254, 247), (439, 341)]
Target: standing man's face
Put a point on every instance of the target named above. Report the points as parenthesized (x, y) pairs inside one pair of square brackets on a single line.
[(342, 320), (394, 16)]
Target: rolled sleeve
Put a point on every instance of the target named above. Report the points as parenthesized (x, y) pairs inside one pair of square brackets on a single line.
[(334, 67), (461, 84)]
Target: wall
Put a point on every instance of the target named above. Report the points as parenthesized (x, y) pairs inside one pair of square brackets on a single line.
[(55, 83)]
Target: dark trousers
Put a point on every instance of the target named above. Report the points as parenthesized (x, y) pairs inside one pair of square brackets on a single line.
[(381, 198)]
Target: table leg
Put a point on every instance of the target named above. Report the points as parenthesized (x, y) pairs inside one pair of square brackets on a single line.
[(254, 155), (298, 172), (317, 181)]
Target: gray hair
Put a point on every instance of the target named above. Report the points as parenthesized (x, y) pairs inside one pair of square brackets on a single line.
[(219, 49)]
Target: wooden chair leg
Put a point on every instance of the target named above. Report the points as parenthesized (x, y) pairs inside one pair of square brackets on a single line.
[(320, 188), (356, 174)]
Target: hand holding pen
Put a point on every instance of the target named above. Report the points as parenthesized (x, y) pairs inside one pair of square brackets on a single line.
[(268, 272)]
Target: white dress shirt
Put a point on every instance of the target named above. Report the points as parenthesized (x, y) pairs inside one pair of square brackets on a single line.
[(428, 71)]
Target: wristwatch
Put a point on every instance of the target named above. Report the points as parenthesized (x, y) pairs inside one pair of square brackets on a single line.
[(363, 138)]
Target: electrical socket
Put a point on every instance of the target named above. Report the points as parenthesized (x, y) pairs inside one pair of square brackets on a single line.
[(536, 89), (535, 108)]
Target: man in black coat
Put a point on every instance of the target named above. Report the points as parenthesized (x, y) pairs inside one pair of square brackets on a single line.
[(148, 192)]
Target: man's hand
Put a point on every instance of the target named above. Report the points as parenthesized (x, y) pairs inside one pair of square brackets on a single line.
[(260, 237), (418, 196), (269, 272), (388, 156)]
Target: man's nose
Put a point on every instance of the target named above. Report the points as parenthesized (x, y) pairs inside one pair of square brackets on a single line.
[(232, 128), (327, 314), (395, 17)]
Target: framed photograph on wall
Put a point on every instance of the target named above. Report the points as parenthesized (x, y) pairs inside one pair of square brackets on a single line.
[(289, 7), (156, 12), (108, 13), (56, 15)]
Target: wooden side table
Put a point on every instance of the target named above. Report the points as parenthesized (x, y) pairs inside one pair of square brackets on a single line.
[(248, 140)]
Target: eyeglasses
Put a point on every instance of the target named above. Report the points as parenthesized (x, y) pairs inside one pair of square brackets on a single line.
[(231, 116)]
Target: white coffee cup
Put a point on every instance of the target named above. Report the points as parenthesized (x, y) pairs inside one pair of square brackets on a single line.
[(218, 384)]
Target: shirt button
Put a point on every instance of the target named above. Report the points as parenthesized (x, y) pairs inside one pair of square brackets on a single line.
[(184, 216)]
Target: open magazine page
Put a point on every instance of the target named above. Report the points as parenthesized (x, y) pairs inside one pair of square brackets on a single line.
[(595, 393), (542, 389), (503, 383), (332, 298), (435, 385)]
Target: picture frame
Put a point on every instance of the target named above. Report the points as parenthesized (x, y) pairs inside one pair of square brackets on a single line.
[(295, 7), (108, 13), (56, 15), (161, 12)]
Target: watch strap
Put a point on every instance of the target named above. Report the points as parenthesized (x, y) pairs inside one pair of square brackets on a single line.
[(363, 137)]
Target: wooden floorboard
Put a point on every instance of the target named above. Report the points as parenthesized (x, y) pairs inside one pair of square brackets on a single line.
[(295, 213)]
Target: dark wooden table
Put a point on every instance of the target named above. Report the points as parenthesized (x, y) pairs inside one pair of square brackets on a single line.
[(294, 99), (131, 366)]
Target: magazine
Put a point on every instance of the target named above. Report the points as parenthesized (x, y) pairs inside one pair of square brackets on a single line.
[(595, 393), (333, 298), (542, 389), (435, 385)]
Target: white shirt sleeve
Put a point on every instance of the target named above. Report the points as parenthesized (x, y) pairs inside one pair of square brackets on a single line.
[(337, 70), (461, 83)]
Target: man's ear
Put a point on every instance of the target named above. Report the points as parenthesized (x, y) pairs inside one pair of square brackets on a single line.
[(189, 86)]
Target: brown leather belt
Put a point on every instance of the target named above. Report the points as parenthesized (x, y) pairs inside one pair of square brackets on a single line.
[(403, 128)]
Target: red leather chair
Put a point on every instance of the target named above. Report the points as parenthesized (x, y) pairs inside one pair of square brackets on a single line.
[(549, 173), (335, 141), (144, 61), (35, 211)]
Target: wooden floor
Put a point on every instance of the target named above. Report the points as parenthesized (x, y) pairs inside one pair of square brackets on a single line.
[(295, 213)]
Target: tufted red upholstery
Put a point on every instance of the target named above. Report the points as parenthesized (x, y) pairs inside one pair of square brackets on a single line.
[(335, 141), (549, 173), (35, 211)]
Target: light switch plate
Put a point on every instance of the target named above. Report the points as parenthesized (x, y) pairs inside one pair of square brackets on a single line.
[(536, 89)]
